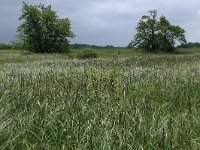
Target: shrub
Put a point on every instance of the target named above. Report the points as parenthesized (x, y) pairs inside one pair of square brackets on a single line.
[(87, 53)]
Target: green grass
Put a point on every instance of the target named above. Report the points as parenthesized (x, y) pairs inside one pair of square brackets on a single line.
[(189, 51), (105, 53), (140, 101)]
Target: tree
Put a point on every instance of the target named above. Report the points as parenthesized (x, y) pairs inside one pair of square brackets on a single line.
[(168, 35), (42, 31), (157, 35)]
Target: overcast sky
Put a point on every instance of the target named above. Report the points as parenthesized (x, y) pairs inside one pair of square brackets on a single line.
[(103, 22)]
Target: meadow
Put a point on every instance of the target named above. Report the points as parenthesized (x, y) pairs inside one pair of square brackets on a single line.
[(123, 100)]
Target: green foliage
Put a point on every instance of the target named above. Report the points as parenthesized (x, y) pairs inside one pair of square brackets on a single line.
[(4, 46), (157, 35), (18, 43), (168, 35), (87, 53), (42, 31)]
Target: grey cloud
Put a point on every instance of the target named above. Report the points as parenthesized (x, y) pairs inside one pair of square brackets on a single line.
[(104, 22)]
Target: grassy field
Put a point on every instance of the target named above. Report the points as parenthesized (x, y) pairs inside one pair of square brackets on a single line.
[(122, 101)]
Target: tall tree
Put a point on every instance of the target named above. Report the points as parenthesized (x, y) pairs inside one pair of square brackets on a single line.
[(157, 35), (43, 31)]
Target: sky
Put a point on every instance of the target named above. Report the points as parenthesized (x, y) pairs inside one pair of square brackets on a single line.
[(106, 22)]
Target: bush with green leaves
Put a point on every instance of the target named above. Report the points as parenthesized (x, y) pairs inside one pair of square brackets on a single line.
[(87, 53), (42, 31)]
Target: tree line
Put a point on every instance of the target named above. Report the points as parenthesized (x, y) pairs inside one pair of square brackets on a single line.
[(81, 46), (43, 31), (5, 46), (189, 45)]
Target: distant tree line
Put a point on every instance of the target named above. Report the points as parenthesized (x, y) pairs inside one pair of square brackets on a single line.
[(189, 45), (5, 46), (81, 46)]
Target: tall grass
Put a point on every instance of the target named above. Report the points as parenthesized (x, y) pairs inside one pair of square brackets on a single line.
[(149, 102)]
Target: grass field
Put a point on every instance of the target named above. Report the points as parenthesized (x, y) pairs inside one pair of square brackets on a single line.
[(124, 101)]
